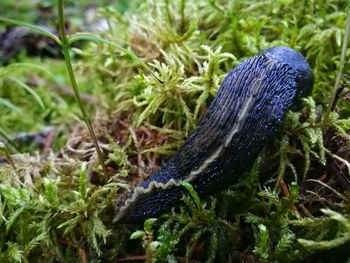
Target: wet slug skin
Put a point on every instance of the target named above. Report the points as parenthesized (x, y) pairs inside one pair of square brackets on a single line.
[(246, 112)]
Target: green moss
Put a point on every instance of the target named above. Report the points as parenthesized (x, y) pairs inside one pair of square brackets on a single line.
[(59, 208)]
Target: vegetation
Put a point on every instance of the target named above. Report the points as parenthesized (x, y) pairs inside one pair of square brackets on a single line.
[(147, 81)]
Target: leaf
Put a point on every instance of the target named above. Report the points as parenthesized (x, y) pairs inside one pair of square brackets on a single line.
[(34, 243), (69, 225), (342, 237), (96, 38), (192, 192), (9, 105), (137, 234), (262, 244), (32, 28), (29, 90), (15, 67), (96, 230), (151, 108), (83, 181), (13, 217), (323, 245), (14, 252), (149, 224)]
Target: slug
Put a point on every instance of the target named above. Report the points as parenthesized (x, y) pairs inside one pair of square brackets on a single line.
[(246, 112)]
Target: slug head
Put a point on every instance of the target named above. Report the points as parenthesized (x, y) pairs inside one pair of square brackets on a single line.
[(286, 55)]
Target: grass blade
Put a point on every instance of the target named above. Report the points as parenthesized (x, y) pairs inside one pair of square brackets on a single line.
[(9, 105), (21, 65), (96, 38), (32, 28), (340, 71), (29, 90)]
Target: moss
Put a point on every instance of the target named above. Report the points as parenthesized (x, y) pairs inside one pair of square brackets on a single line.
[(293, 206)]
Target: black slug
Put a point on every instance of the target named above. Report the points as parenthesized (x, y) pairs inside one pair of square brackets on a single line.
[(247, 110)]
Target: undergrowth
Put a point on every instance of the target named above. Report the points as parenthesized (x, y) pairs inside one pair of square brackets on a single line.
[(294, 204)]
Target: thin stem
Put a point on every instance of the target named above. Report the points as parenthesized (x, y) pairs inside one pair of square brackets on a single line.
[(8, 140), (5, 150), (168, 12), (182, 25), (340, 72), (216, 6), (65, 48)]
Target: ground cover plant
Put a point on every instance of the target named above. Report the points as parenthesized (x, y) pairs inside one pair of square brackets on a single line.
[(145, 82)]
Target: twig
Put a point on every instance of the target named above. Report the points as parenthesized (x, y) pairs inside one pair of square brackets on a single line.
[(83, 255), (48, 141), (340, 159), (140, 162), (328, 187), (4, 149), (67, 243)]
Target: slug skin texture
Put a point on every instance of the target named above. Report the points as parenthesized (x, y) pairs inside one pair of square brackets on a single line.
[(246, 112)]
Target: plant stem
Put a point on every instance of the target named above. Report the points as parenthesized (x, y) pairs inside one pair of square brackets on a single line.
[(168, 12), (182, 23), (65, 48), (340, 71), (4, 149)]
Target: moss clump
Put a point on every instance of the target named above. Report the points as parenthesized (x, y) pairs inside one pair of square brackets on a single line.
[(293, 206)]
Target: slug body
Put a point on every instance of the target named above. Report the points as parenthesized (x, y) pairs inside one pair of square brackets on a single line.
[(247, 110)]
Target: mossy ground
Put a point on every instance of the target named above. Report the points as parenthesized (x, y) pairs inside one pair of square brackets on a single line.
[(57, 205)]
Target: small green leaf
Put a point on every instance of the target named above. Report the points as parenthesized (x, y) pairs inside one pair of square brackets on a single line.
[(149, 224), (9, 105), (15, 67), (96, 38), (192, 192), (29, 90), (14, 252), (83, 180), (340, 239), (294, 189), (137, 234), (262, 246), (32, 28)]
